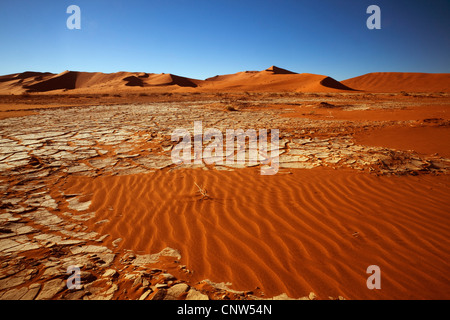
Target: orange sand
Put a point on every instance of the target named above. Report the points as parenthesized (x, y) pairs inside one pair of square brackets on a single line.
[(401, 81), (312, 230), (424, 140)]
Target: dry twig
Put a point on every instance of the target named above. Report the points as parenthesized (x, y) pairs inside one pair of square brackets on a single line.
[(203, 192)]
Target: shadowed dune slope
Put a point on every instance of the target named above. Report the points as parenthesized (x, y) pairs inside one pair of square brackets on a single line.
[(25, 75), (334, 84), (401, 81), (167, 79), (15, 83), (70, 80)]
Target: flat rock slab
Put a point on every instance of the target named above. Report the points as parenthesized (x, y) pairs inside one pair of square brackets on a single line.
[(90, 249), (75, 204), (153, 258), (176, 291), (51, 288), (194, 294)]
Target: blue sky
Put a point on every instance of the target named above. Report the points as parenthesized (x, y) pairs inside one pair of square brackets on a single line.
[(201, 39)]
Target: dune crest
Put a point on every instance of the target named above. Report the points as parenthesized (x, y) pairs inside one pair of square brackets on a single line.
[(277, 70)]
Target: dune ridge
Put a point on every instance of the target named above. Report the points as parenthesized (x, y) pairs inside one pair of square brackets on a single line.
[(99, 82), (272, 79), (309, 231)]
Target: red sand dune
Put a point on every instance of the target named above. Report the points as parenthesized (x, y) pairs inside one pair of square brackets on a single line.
[(24, 75), (101, 82), (74, 80), (167, 79), (313, 230), (401, 81), (273, 79), (15, 83)]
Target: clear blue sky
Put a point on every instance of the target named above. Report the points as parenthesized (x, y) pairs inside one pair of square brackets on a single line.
[(200, 39)]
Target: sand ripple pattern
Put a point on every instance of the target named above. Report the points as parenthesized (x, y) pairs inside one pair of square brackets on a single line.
[(313, 230)]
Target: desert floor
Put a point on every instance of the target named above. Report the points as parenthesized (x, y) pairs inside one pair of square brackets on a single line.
[(87, 180)]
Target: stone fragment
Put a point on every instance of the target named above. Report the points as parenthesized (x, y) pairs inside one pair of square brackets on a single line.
[(75, 295), (159, 294), (23, 247), (110, 273), (115, 243), (176, 291), (74, 204), (103, 237), (89, 249), (53, 272), (13, 281), (167, 276), (145, 295), (44, 218), (14, 294), (50, 203), (194, 294), (51, 288), (98, 293), (32, 292), (105, 259), (152, 258), (7, 244), (102, 221), (312, 296), (83, 217)]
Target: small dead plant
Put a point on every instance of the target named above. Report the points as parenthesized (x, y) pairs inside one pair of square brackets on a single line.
[(202, 190)]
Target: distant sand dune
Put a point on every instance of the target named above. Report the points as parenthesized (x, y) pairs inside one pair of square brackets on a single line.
[(273, 79), (270, 79), (401, 81), (169, 79), (101, 82), (308, 231), (24, 75), (70, 80)]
